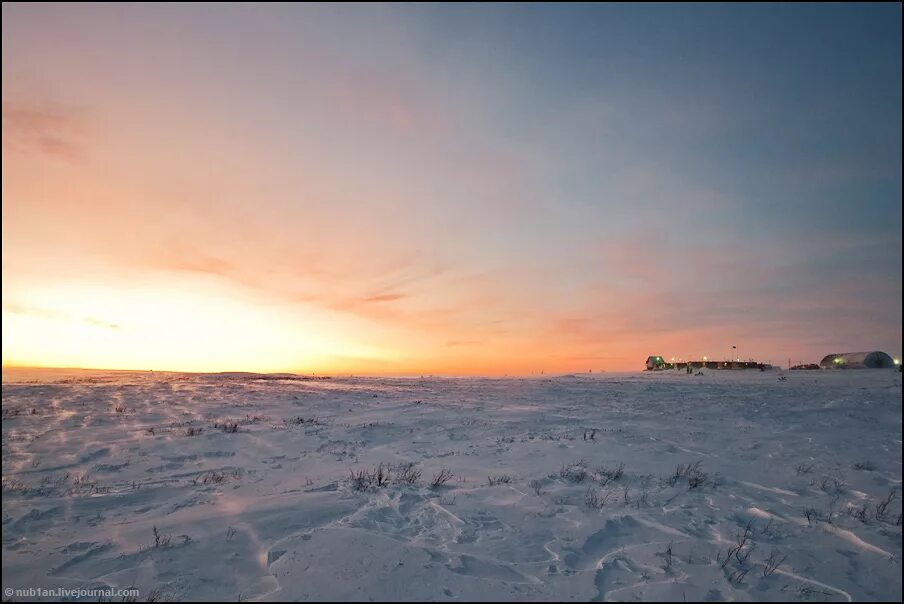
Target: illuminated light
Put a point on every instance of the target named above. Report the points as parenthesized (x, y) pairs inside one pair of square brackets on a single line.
[(897, 361)]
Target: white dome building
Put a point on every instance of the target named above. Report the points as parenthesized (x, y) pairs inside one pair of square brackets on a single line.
[(857, 360)]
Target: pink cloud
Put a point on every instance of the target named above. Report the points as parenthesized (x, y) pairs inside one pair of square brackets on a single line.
[(48, 132)]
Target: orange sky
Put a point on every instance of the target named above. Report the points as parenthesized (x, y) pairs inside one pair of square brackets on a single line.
[(321, 191)]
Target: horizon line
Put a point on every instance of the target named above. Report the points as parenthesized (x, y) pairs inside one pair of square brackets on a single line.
[(6, 366)]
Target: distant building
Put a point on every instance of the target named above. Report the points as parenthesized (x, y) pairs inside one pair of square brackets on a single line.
[(655, 363), (857, 360)]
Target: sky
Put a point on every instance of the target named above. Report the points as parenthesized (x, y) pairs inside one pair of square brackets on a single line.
[(449, 189)]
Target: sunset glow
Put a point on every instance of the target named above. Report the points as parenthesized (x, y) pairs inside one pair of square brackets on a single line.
[(409, 190)]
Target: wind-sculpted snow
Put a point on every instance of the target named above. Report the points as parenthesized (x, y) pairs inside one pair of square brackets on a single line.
[(725, 486)]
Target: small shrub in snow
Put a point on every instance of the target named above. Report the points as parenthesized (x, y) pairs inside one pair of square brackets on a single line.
[(610, 473), (687, 471), (499, 479), (407, 474), (737, 576), (861, 513), (217, 477), (696, 478), (771, 564), (596, 499), (769, 529), (361, 480), (882, 506), (300, 421), (14, 485), (161, 540), (441, 478), (576, 472), (811, 515), (833, 485), (738, 551), (381, 476)]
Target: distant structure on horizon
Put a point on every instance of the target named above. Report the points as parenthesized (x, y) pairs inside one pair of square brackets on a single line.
[(657, 363), (804, 367), (874, 359)]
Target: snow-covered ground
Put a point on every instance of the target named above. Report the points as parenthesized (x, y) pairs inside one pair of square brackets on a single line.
[(247, 484)]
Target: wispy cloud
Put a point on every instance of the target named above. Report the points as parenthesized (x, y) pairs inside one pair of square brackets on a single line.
[(385, 298), (56, 315), (48, 132)]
